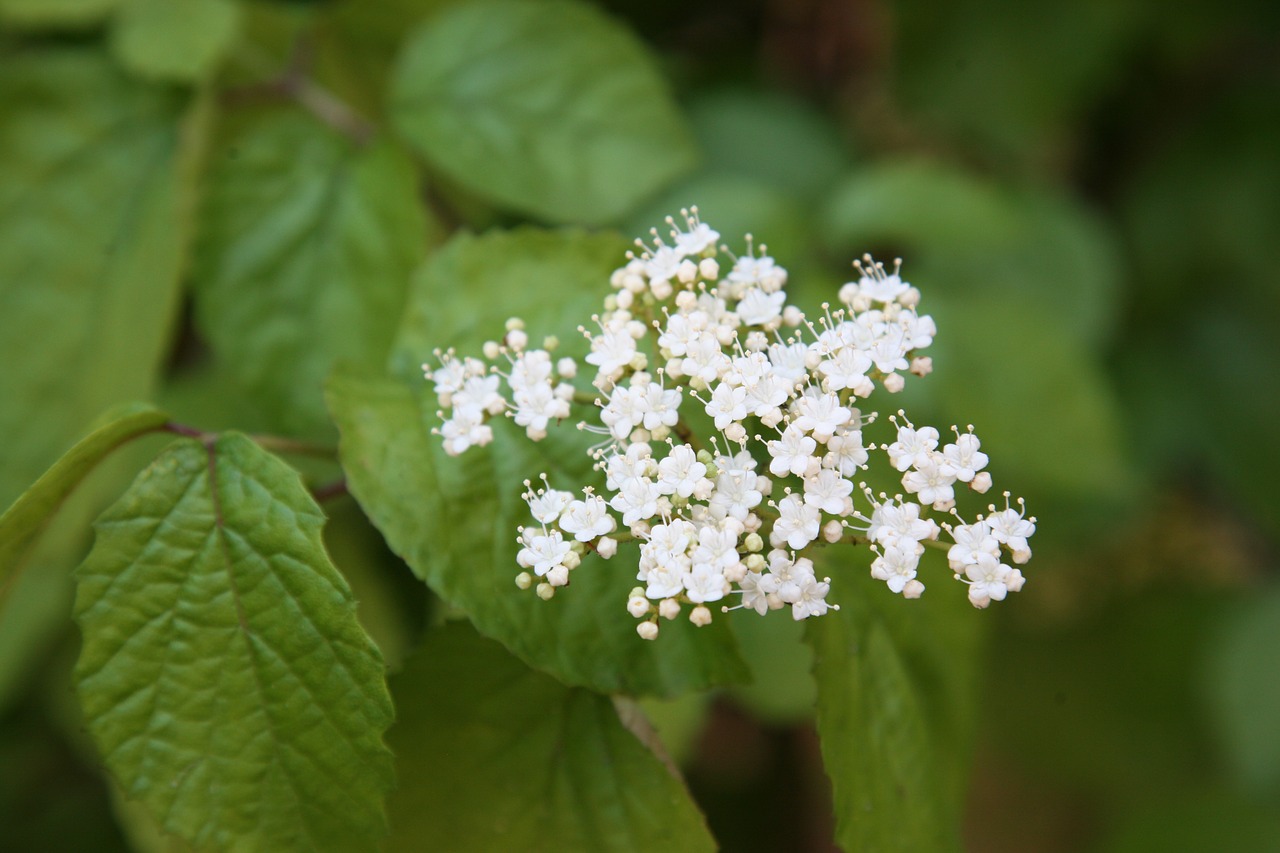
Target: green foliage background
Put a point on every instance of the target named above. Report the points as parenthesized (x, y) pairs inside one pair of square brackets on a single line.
[(259, 217)]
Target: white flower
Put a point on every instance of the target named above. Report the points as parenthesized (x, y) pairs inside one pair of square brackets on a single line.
[(797, 523), (465, 429), (716, 548), (791, 453), (735, 493), (913, 447), (812, 599), (896, 567), (587, 519), (727, 405), (543, 552), (1012, 529), (659, 406), (705, 583), (821, 415), (965, 457), (828, 491), (636, 500), (846, 368), (536, 406), (755, 590), (893, 524), (758, 308), (973, 543), (845, 452), (681, 472), (664, 581), (663, 263), (547, 505), (987, 580), (531, 367), (611, 351)]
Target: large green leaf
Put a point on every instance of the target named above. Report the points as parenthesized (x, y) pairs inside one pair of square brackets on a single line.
[(896, 709), (96, 182), (30, 513), (51, 13), (972, 238), (307, 246), (552, 108), (179, 40), (223, 673), (1243, 695), (494, 756)]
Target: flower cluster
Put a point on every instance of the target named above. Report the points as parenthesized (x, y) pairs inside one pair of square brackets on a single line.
[(731, 437)]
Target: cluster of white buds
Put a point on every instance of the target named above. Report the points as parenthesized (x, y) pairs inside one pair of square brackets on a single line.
[(685, 346)]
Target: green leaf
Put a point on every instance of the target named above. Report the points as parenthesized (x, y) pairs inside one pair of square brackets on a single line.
[(552, 109), (554, 280), (896, 710), (56, 13), (1243, 695), (968, 237), (307, 247), (181, 40), (23, 522), (223, 675), (778, 140), (494, 756), (96, 181), (453, 520)]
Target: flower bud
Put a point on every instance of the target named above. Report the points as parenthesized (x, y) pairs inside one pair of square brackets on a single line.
[(700, 616)]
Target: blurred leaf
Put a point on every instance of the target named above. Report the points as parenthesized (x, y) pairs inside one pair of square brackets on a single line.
[(1009, 80), (1106, 703), (360, 554), (1243, 693), (552, 108), (454, 522), (43, 13), (781, 690), (307, 246), (775, 139), (735, 206), (96, 182), (30, 513), (896, 709), (181, 40), (461, 298), (968, 237), (210, 572), (1214, 820), (494, 756)]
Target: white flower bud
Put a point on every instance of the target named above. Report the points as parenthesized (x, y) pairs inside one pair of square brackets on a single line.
[(546, 591), (572, 560), (687, 272), (922, 365), (524, 580), (757, 342), (607, 547), (661, 289), (753, 542), (735, 432), (668, 608), (910, 298), (624, 300), (709, 269), (558, 576), (832, 531), (775, 601), (792, 316), (700, 616), (912, 589), (517, 339), (647, 630), (491, 350), (637, 606), (686, 300), (893, 383), (514, 323), (772, 418), (756, 562), (980, 482)]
